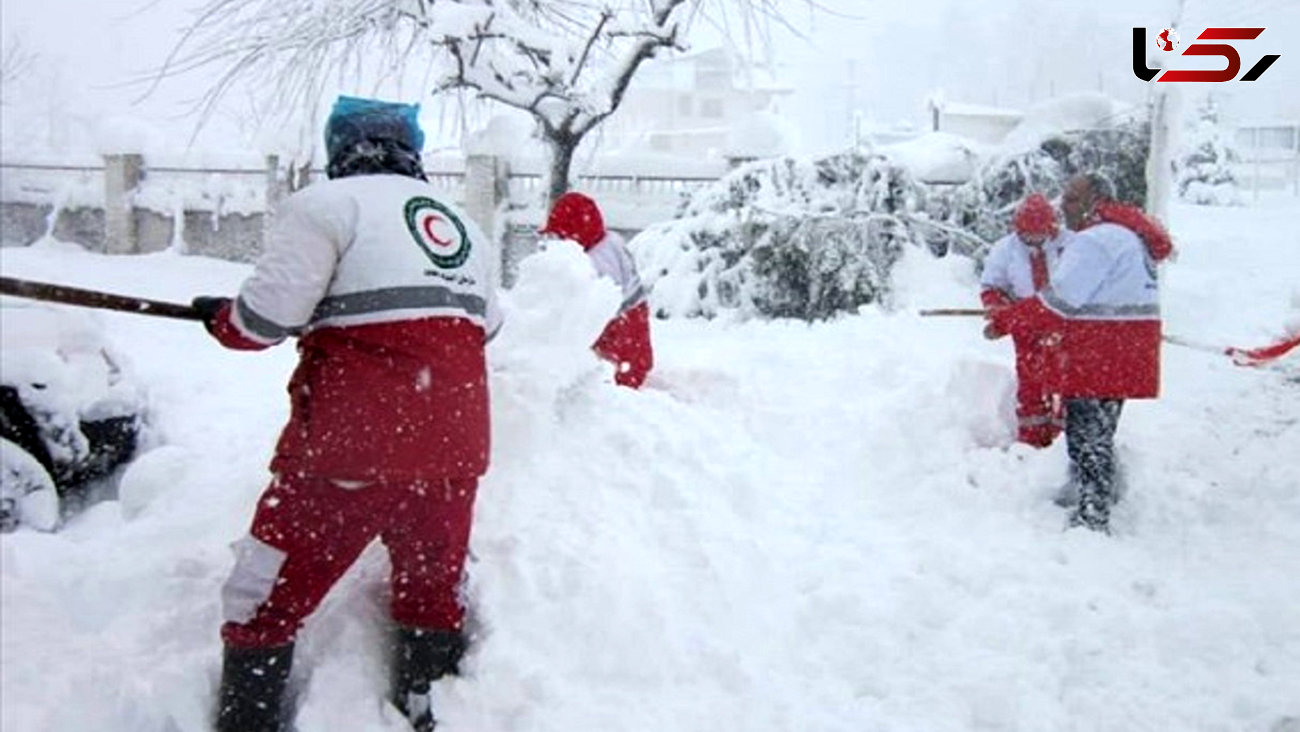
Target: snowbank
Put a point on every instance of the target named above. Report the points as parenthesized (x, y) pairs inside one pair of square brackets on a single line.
[(65, 371)]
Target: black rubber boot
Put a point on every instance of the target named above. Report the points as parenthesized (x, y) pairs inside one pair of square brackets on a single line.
[(421, 657), (253, 682), (1093, 512)]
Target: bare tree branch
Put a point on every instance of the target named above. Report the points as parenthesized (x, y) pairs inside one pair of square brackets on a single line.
[(568, 63), (586, 49), (16, 62)]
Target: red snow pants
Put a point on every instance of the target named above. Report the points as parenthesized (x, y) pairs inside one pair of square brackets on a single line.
[(1040, 416), (306, 532)]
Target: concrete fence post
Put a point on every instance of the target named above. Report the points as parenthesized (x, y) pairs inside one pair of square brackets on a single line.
[(276, 188), (486, 186), (122, 175), (481, 191)]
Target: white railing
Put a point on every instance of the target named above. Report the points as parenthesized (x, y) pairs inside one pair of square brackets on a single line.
[(1262, 170)]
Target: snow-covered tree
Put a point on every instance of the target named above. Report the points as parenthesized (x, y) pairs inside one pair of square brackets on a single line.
[(785, 238), (982, 207), (811, 238), (1205, 174), (568, 63)]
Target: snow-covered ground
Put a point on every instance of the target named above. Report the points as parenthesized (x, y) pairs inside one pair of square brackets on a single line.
[(793, 528)]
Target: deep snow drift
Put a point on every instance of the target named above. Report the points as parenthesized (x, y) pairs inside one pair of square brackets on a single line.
[(792, 528)]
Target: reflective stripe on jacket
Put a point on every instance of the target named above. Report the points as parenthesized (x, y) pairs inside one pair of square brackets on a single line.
[(366, 249)]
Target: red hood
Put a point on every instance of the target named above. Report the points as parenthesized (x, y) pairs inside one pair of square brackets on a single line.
[(576, 217), (1159, 245)]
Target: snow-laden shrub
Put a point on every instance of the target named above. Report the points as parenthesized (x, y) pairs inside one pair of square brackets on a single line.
[(814, 267), (807, 239), (1204, 171), (984, 206), (784, 238)]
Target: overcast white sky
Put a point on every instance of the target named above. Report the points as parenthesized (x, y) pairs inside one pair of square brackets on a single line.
[(881, 57), (886, 57)]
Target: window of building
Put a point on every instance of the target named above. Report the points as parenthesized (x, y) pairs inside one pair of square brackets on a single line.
[(1277, 137), (683, 106), (1280, 137), (713, 79), (711, 108)]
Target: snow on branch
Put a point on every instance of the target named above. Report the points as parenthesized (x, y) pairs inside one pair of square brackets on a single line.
[(527, 54), (502, 55), (568, 63), (291, 47)]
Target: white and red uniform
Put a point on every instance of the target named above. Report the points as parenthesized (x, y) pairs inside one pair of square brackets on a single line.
[(1102, 306), (625, 342), (1012, 272), (389, 290)]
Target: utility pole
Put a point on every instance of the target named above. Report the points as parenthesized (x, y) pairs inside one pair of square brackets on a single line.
[(851, 101), (1163, 106)]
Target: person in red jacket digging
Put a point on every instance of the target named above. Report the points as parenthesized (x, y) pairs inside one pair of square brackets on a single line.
[(388, 289), (1102, 309), (625, 342), (1016, 268)]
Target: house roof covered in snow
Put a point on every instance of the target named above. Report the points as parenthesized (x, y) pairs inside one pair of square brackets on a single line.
[(978, 110)]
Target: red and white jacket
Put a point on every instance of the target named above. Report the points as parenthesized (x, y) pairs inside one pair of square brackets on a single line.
[(1008, 271), (390, 292), (625, 342), (1102, 304)]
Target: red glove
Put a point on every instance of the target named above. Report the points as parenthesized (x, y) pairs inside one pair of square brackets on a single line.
[(1007, 319), (994, 298), (1029, 319), (216, 314), (209, 309)]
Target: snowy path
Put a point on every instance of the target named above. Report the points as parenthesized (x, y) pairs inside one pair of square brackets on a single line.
[(795, 529)]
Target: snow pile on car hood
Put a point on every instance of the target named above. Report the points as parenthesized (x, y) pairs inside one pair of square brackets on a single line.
[(65, 370)]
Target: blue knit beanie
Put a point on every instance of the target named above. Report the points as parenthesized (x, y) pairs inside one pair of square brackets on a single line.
[(362, 125)]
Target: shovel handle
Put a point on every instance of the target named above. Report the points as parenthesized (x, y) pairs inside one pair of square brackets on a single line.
[(94, 299)]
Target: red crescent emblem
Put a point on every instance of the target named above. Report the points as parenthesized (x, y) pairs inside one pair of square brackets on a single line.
[(428, 231)]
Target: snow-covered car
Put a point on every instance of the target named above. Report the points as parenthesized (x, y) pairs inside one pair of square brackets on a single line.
[(70, 413)]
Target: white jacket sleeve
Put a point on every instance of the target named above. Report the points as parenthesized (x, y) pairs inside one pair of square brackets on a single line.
[(995, 275), (309, 234), (493, 318), (613, 260), (1080, 273)]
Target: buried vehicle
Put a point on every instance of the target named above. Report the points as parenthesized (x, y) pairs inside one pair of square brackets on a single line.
[(70, 413)]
